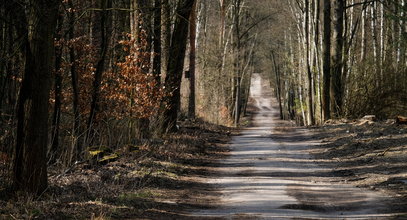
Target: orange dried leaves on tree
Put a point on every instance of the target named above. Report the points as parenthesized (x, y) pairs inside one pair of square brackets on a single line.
[(132, 91)]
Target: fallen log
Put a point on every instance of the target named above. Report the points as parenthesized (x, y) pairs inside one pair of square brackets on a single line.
[(369, 117)]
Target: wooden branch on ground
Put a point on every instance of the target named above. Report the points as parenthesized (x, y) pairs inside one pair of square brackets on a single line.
[(401, 120)]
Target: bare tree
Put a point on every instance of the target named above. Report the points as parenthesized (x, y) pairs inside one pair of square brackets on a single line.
[(326, 60), (337, 58), (30, 168), (176, 65), (100, 65), (192, 57)]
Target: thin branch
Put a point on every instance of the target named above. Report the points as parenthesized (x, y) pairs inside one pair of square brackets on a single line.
[(361, 3), (121, 9), (299, 6), (254, 25)]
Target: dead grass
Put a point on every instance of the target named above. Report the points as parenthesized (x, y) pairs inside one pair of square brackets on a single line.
[(158, 181), (367, 154)]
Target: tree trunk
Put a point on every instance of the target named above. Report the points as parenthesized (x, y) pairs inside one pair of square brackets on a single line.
[(176, 65), (326, 60), (311, 118), (337, 51), (403, 34), (363, 37), (157, 41), (238, 71), (222, 16), (278, 84), (142, 124), (56, 118), (30, 168), (165, 36), (75, 85), (373, 14), (318, 60), (381, 51), (100, 68), (192, 41)]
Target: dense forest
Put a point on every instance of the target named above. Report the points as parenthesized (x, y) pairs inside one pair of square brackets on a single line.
[(76, 74)]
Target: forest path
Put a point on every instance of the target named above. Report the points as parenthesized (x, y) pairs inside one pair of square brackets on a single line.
[(270, 175)]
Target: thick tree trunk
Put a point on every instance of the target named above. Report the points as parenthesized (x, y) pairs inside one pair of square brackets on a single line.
[(237, 61), (311, 118), (318, 60), (192, 54), (176, 65), (30, 168), (222, 5), (326, 61), (337, 59)]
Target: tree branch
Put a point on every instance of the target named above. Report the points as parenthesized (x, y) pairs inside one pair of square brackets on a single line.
[(254, 25), (361, 3)]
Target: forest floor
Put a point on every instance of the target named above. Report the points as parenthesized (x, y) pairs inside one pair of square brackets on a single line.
[(159, 180), (367, 154), (168, 178)]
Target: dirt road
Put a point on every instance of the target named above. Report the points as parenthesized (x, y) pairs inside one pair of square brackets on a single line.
[(270, 175)]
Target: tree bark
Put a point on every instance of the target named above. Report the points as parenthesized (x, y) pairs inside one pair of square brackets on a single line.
[(157, 41), (75, 85), (56, 118), (326, 56), (238, 71), (363, 37), (337, 59), (403, 34), (145, 32), (192, 54), (311, 118), (165, 36), (30, 168), (100, 68), (176, 65), (278, 84)]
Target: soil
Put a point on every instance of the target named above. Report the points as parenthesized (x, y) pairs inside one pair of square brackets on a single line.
[(368, 154), (276, 170), (349, 169), (158, 180)]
